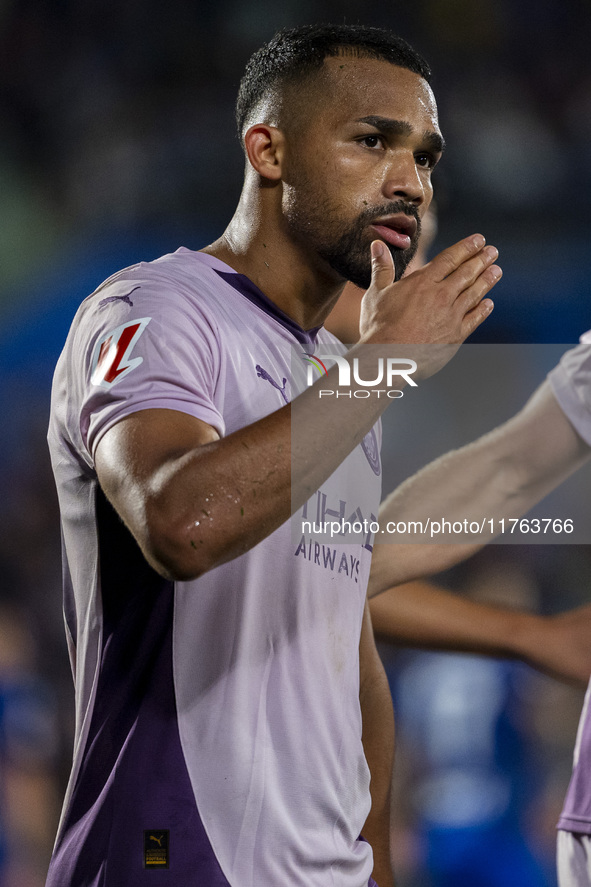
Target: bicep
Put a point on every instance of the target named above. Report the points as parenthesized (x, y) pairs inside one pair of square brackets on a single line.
[(532, 454), (502, 474), (137, 456)]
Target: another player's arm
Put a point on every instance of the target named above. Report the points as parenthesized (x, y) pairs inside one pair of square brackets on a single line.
[(501, 475), (420, 614), (378, 744), (193, 500)]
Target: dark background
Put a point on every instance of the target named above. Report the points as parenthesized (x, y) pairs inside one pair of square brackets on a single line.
[(118, 144)]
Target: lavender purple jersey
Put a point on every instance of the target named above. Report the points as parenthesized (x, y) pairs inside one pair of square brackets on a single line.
[(218, 728), (571, 384)]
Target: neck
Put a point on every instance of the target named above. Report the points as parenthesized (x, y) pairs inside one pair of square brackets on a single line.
[(257, 243)]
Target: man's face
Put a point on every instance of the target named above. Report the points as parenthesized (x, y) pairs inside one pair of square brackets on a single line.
[(358, 164)]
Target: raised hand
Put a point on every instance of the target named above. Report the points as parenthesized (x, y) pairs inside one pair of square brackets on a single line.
[(441, 303)]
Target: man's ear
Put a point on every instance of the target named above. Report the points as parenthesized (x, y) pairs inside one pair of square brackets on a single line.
[(264, 147)]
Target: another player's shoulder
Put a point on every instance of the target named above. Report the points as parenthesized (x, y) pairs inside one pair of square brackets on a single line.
[(575, 364), (570, 382)]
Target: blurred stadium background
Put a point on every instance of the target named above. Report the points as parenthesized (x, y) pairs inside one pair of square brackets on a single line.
[(117, 145)]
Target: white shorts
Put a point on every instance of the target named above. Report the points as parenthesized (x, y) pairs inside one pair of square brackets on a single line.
[(573, 859)]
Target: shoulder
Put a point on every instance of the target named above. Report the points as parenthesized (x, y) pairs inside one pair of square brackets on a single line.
[(158, 315), (574, 368), (177, 295), (184, 275), (570, 381)]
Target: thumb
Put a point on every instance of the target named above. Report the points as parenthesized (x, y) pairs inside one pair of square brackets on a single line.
[(382, 265)]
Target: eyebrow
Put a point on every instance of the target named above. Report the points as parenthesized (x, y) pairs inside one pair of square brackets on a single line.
[(402, 128)]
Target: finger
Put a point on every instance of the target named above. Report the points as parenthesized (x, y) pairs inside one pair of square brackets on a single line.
[(469, 272), (483, 284), (451, 258), (382, 265), (475, 317)]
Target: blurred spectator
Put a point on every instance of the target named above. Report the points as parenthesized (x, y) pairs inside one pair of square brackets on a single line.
[(29, 798), (481, 746)]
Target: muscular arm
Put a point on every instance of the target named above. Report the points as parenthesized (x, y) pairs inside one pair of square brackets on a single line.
[(502, 474), (378, 744), (193, 501), (421, 614)]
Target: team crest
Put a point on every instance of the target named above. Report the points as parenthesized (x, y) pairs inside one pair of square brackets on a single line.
[(369, 445)]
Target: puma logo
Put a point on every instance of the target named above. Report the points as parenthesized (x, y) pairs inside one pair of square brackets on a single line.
[(124, 298), (158, 840), (263, 374)]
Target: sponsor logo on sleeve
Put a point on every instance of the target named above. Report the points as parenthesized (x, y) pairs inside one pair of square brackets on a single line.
[(112, 359)]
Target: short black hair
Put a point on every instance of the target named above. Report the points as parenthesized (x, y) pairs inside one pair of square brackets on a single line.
[(295, 52)]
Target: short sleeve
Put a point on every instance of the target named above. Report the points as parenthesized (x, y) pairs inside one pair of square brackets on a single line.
[(571, 384), (161, 352)]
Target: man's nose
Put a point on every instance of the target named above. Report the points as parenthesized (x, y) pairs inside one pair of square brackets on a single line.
[(403, 180)]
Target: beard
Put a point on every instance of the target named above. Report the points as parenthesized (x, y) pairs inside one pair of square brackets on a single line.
[(350, 254), (346, 246)]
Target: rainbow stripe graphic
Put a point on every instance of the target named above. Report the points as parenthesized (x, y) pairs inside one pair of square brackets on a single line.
[(316, 362)]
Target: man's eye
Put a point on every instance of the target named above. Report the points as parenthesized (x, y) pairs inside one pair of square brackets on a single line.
[(427, 160), (371, 141)]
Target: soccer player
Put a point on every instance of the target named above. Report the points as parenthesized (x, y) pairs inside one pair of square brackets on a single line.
[(503, 474), (229, 697)]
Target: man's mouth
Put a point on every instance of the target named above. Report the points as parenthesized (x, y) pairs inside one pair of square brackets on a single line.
[(397, 230)]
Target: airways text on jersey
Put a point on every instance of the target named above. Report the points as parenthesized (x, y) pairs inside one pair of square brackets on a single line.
[(111, 360)]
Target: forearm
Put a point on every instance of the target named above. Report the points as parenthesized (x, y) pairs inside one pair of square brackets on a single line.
[(501, 475), (203, 502), (421, 614), (378, 744)]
